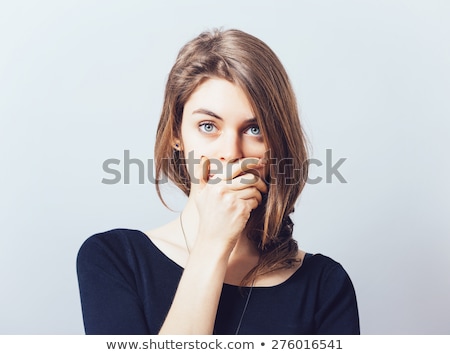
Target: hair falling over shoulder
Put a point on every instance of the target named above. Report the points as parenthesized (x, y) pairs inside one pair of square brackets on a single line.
[(248, 62)]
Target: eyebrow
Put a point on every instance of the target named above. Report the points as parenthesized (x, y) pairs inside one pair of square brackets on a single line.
[(212, 114)]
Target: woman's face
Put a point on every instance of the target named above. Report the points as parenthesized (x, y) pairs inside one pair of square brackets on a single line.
[(218, 123)]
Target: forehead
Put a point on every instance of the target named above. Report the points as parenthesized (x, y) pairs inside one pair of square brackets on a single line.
[(220, 96)]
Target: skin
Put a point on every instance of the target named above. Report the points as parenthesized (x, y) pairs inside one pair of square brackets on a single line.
[(218, 127)]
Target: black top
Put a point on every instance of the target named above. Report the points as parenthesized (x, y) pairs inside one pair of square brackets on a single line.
[(127, 285)]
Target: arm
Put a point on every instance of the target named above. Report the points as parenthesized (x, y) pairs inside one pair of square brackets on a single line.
[(194, 307), (223, 210), (338, 310), (109, 300)]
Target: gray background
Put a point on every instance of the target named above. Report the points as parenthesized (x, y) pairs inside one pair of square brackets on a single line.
[(82, 81)]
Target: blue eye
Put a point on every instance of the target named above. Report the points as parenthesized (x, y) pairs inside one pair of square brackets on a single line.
[(254, 131), (207, 127)]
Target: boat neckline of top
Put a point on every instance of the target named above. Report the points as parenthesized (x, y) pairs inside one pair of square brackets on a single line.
[(306, 256)]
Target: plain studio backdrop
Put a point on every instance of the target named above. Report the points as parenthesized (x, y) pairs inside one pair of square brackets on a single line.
[(82, 82)]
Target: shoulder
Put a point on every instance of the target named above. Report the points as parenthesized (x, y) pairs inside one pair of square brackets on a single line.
[(322, 265), (114, 238), (336, 309), (113, 245), (326, 276)]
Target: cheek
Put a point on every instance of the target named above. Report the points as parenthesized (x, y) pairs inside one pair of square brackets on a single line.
[(196, 149), (257, 150)]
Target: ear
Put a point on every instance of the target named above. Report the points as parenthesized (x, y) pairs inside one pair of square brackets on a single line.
[(177, 144)]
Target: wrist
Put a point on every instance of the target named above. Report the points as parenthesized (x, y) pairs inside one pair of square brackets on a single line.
[(212, 250)]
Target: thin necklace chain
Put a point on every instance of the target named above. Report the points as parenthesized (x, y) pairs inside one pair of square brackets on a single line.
[(245, 308), (184, 234), (249, 292)]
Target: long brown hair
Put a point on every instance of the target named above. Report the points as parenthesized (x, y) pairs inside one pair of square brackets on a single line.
[(248, 62)]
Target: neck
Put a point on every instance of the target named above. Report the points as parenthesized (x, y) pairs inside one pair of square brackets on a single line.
[(243, 258), (190, 221)]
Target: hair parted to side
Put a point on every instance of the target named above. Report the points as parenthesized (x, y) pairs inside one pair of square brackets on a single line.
[(248, 62)]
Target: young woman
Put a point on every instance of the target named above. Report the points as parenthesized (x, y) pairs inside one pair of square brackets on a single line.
[(230, 138)]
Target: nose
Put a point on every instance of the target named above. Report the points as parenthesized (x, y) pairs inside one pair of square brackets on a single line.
[(230, 147)]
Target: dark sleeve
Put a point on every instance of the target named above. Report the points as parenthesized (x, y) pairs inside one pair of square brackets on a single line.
[(338, 310), (108, 292)]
